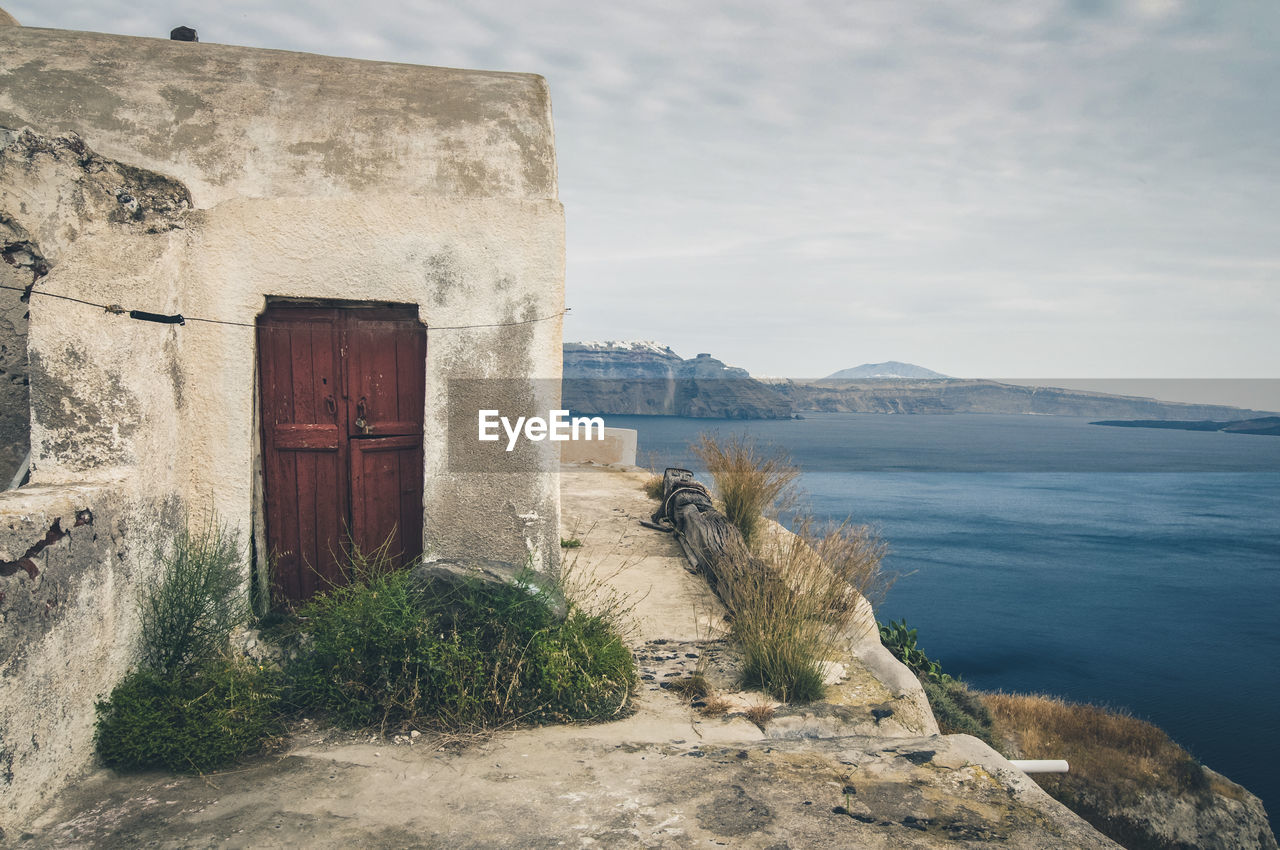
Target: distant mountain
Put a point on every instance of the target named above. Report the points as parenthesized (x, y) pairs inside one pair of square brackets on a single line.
[(1266, 425), (890, 370), (649, 378)]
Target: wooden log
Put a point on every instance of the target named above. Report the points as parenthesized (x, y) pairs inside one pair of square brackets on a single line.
[(712, 544)]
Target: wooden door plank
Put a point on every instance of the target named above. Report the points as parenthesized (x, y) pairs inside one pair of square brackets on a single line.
[(309, 559), (378, 498), (410, 507), (387, 380), (303, 455), (411, 345), (305, 437)]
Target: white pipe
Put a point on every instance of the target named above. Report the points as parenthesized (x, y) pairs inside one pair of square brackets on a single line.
[(1041, 765), (21, 473)]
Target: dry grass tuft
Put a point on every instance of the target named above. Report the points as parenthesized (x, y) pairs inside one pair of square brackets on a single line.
[(690, 687), (1115, 758), (760, 714), (715, 706), (653, 487), (749, 482), (793, 604)]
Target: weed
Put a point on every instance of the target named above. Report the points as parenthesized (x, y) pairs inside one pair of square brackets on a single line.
[(901, 641), (1117, 761), (748, 482), (1105, 748), (792, 605), (957, 708), (961, 711), (195, 721), (690, 687), (190, 706), (760, 714), (570, 543), (189, 613), (653, 487), (714, 706)]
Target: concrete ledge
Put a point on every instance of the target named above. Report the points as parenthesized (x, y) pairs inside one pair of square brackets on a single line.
[(75, 558), (617, 447)]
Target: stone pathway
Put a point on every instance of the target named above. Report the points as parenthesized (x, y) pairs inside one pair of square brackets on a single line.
[(824, 776)]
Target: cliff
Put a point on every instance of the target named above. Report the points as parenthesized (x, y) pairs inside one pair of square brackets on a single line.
[(980, 396), (650, 379)]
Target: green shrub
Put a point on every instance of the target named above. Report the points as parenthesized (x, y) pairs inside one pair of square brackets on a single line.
[(384, 650), (957, 708), (960, 711), (199, 599), (190, 706), (194, 721), (784, 666), (793, 600), (901, 641)]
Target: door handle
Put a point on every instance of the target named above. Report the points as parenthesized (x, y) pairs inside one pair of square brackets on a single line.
[(331, 405)]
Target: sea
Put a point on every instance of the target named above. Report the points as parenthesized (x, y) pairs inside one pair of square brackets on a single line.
[(1127, 567)]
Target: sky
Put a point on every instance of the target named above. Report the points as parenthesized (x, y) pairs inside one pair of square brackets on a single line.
[(1021, 189)]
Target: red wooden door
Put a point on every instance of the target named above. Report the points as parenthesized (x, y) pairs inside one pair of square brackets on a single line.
[(342, 403)]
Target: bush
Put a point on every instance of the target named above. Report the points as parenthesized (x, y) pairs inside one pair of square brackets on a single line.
[(957, 708), (385, 651), (1114, 756), (748, 482), (960, 711), (190, 706), (199, 599), (901, 641), (196, 721)]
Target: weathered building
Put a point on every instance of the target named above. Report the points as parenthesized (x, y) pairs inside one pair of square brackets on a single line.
[(344, 239)]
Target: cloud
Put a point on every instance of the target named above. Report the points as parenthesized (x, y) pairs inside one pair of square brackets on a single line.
[(939, 175)]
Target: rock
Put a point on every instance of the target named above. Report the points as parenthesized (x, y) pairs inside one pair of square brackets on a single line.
[(1223, 816), (454, 571)]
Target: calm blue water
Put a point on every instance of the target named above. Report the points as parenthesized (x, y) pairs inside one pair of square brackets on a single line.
[(1137, 568)]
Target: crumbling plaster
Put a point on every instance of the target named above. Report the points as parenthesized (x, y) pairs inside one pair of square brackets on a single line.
[(232, 122)]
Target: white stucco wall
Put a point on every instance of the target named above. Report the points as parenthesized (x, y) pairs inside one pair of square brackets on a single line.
[(182, 398), (204, 180)]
